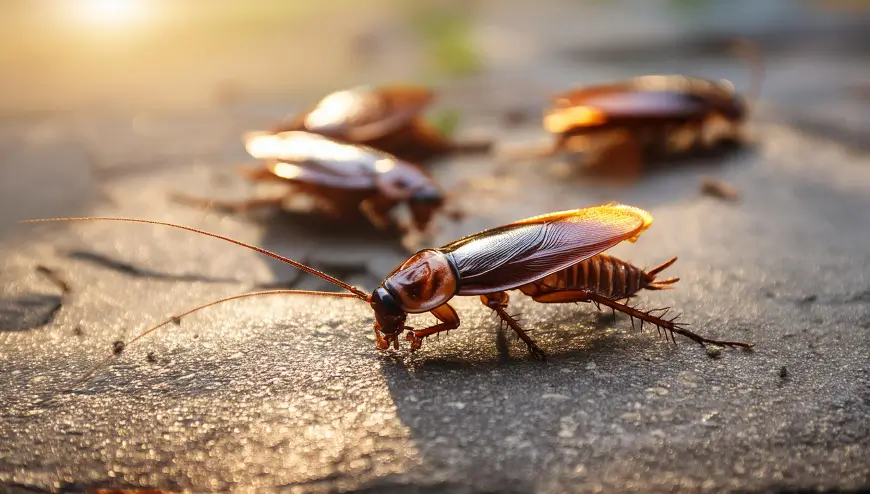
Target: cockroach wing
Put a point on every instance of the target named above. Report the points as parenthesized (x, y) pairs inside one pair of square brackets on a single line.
[(510, 256), (312, 158), (649, 104), (363, 114)]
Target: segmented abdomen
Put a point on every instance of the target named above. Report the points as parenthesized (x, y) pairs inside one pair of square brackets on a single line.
[(602, 274)]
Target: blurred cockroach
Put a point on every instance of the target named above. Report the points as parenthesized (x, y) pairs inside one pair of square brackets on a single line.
[(649, 117), (554, 258), (341, 178), (385, 117)]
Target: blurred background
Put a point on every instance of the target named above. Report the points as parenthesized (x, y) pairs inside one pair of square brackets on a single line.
[(97, 54), (96, 88)]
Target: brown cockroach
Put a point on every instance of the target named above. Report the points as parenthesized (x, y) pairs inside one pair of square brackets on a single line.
[(554, 258), (649, 117), (341, 178), (386, 117)]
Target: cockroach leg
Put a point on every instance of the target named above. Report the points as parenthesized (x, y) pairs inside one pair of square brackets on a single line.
[(380, 342), (449, 320), (498, 302), (644, 316), (377, 210), (618, 156), (668, 324), (685, 138)]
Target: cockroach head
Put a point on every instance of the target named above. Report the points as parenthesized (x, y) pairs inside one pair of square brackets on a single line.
[(389, 315)]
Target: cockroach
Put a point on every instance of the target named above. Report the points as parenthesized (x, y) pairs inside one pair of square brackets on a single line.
[(554, 258), (649, 117), (341, 178), (386, 117)]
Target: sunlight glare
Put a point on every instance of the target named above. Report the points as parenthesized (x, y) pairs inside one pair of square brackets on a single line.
[(299, 146), (110, 12)]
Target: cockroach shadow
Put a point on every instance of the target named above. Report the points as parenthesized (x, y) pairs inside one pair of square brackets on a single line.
[(467, 414), (137, 271), (29, 311)]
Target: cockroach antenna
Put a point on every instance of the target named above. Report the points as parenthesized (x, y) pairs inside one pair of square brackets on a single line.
[(354, 292), (750, 53)]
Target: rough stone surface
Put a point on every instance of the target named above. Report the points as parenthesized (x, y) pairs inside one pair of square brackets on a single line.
[(290, 393)]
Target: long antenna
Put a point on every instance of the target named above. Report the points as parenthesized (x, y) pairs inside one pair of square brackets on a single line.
[(196, 309), (750, 53), (356, 291)]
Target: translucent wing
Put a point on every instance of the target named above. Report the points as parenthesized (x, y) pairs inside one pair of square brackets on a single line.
[(311, 158), (507, 257)]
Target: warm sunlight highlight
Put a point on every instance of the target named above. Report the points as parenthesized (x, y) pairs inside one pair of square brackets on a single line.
[(110, 12)]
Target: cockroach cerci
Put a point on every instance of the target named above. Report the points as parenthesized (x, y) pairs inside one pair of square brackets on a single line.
[(624, 123), (553, 258), (341, 178), (386, 117)]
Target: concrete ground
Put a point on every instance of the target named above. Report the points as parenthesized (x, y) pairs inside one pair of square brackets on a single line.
[(289, 393)]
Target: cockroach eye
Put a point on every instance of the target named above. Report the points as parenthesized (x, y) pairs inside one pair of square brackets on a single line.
[(384, 302)]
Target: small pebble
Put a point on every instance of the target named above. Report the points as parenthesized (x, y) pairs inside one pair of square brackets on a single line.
[(783, 372), (118, 347), (714, 351), (151, 357), (719, 189), (78, 331)]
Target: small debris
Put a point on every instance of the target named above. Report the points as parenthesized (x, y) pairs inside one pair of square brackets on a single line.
[(514, 117), (809, 299), (719, 189), (118, 347), (54, 277), (78, 331), (783, 372), (714, 351), (176, 320), (151, 357)]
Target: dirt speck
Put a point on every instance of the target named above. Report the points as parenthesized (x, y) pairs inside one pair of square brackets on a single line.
[(714, 351), (118, 347), (719, 189)]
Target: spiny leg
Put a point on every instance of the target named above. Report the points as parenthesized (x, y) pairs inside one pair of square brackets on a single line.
[(658, 321), (498, 302), (449, 320)]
